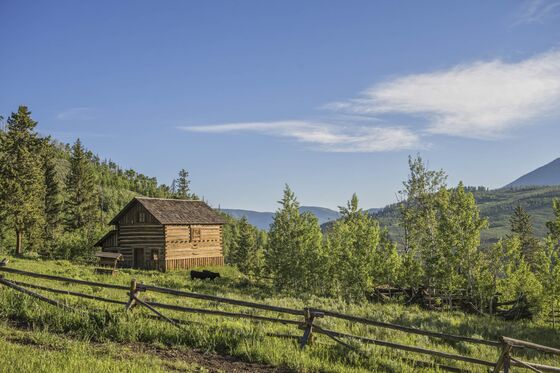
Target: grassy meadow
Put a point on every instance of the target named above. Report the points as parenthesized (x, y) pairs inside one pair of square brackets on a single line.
[(100, 338), (38, 350)]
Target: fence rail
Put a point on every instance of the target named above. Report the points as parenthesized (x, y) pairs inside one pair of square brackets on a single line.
[(291, 311), (408, 329), (309, 322)]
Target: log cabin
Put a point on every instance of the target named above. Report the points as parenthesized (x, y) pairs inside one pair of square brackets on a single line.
[(163, 234)]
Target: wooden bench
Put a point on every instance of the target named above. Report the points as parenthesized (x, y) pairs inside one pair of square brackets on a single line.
[(108, 262)]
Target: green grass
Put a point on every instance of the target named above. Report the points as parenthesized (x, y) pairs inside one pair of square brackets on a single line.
[(41, 351), (247, 340)]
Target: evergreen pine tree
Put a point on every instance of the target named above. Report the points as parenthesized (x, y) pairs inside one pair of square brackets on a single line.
[(522, 227), (230, 234), (248, 257), (294, 246), (81, 203), (53, 198), (21, 176), (183, 185), (245, 245)]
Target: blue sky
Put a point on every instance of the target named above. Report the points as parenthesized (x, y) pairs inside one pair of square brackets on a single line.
[(329, 97)]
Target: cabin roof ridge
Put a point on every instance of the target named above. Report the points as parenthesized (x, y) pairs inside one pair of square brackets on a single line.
[(171, 211), (169, 199)]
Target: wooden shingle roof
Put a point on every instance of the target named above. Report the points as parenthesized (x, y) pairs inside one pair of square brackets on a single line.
[(175, 211)]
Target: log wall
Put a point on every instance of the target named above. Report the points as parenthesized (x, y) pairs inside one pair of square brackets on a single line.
[(111, 242), (193, 245), (137, 214), (194, 262), (139, 230), (166, 246), (150, 238)]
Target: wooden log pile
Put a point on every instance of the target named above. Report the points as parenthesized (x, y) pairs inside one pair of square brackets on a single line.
[(520, 309), (435, 300)]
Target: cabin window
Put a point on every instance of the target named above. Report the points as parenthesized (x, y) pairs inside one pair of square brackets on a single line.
[(141, 217), (155, 255), (195, 234)]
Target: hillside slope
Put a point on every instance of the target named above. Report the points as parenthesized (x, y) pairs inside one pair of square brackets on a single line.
[(496, 205), (549, 174)]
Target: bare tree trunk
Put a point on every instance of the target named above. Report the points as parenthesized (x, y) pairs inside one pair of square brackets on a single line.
[(19, 242)]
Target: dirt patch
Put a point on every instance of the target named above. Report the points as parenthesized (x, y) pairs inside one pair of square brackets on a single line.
[(27, 341), (213, 362)]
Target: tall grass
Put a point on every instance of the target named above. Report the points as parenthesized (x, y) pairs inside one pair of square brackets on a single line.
[(249, 340), (40, 351)]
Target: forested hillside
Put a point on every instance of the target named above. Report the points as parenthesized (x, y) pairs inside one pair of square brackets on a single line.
[(497, 206), (56, 199)]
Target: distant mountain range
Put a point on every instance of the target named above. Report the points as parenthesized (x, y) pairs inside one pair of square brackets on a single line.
[(534, 191), (547, 175), (262, 220)]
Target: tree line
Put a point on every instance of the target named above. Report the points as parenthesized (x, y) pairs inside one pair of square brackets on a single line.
[(441, 249), (55, 199)]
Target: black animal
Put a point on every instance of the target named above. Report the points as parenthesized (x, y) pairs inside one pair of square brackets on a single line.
[(204, 275), (4, 262)]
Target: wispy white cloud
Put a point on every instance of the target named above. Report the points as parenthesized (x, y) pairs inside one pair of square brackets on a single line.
[(325, 136), (537, 11), (76, 114), (477, 100), (482, 99)]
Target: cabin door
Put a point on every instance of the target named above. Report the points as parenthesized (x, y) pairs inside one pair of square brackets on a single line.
[(139, 258)]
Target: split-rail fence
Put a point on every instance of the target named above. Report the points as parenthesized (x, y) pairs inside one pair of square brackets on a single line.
[(505, 345)]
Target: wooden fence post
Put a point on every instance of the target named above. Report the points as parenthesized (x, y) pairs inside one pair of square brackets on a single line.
[(504, 359), (507, 362), (310, 316), (308, 327), (132, 295)]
